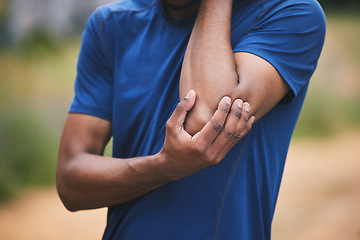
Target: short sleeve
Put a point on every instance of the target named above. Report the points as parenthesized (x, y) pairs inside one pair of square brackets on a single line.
[(290, 36), (93, 84)]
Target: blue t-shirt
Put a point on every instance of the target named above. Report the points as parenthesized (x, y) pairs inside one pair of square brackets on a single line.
[(128, 73)]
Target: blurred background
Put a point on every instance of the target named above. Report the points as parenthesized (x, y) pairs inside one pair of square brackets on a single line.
[(39, 44)]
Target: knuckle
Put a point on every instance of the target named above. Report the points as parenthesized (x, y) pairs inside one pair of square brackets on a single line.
[(168, 125), (198, 148), (216, 160), (247, 128), (233, 136), (236, 137), (217, 126), (180, 106), (229, 134), (210, 158), (244, 131), (242, 134), (237, 114)]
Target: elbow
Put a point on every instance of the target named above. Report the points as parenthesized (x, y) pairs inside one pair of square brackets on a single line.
[(197, 118), (207, 101), (67, 201), (201, 114), (65, 193), (194, 124)]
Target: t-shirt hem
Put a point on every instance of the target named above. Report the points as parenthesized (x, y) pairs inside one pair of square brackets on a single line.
[(279, 69), (91, 111)]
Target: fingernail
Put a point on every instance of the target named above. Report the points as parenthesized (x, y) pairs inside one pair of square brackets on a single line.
[(228, 100), (240, 103), (247, 107), (188, 94), (252, 120)]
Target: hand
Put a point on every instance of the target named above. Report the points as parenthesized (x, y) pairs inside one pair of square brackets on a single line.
[(184, 154)]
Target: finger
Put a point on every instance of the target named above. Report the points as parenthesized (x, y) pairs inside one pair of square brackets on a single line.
[(224, 142), (212, 129), (247, 127), (244, 125), (229, 134), (177, 119)]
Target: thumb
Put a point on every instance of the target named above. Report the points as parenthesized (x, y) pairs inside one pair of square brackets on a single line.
[(188, 102), (177, 119)]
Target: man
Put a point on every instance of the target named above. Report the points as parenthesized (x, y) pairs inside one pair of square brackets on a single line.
[(187, 170)]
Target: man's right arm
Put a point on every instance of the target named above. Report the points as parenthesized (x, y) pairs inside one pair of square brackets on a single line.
[(86, 179)]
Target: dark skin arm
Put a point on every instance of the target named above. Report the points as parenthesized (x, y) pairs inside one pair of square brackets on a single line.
[(212, 69), (87, 180)]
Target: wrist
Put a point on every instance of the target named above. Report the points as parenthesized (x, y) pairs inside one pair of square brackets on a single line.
[(164, 168), (216, 9)]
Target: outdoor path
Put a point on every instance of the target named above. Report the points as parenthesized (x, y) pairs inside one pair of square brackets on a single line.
[(320, 194), (319, 200)]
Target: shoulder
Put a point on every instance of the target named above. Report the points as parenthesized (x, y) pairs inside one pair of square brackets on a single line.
[(109, 18), (303, 18), (297, 9), (278, 15), (107, 11), (292, 17), (289, 34)]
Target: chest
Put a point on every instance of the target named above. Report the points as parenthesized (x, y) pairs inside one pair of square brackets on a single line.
[(146, 86)]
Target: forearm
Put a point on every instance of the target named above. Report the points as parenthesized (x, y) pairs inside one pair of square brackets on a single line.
[(209, 66), (91, 181), (86, 180)]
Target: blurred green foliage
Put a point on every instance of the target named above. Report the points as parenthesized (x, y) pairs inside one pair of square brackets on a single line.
[(332, 104), (324, 115), (35, 92), (38, 43), (27, 152)]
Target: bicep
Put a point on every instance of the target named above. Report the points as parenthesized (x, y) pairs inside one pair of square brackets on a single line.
[(260, 84), (83, 134)]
